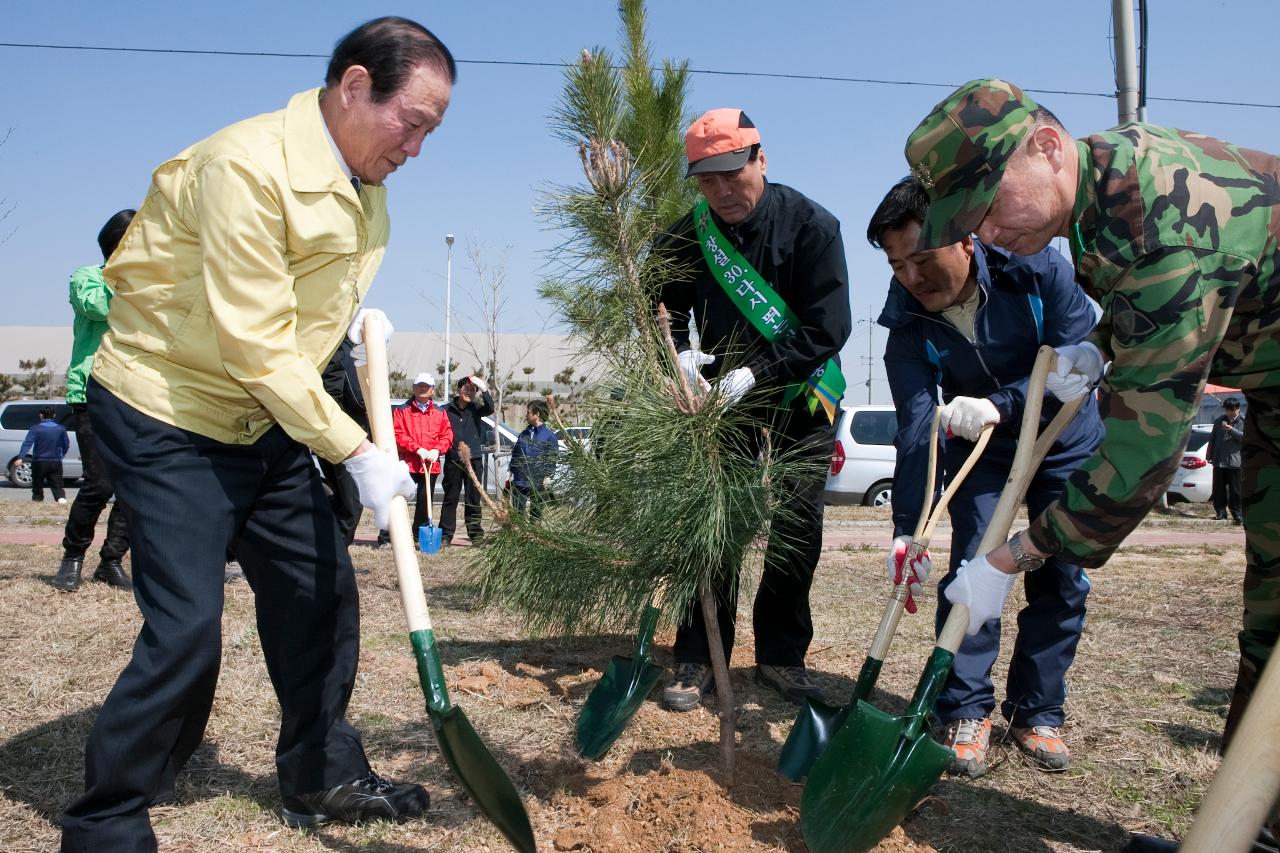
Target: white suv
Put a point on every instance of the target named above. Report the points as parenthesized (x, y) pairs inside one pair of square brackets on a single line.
[(864, 457)]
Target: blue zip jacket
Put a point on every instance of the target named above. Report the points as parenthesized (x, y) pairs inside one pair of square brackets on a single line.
[(1024, 302), (534, 456), (46, 441)]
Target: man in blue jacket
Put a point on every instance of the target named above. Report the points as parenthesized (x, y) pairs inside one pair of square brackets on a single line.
[(969, 318), (533, 460), (46, 443)]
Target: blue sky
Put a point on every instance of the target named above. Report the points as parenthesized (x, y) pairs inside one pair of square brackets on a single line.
[(88, 127)]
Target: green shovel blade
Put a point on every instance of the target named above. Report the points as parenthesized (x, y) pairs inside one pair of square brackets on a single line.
[(484, 780), (619, 693), (817, 722), (871, 776)]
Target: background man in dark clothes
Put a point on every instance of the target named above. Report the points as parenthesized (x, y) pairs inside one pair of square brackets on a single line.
[(46, 443), (792, 246), (533, 460), (970, 318), (1225, 444), (465, 413), (90, 300), (340, 380)]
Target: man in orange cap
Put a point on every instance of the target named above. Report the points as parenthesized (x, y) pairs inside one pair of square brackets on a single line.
[(763, 274)]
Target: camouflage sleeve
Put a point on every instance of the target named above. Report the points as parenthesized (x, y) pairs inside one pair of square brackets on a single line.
[(1166, 317)]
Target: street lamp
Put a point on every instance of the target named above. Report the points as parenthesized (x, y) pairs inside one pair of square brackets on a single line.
[(448, 297)]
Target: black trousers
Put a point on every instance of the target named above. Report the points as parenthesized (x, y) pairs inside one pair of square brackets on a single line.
[(46, 473), (1226, 491), (345, 500), (781, 617), (420, 504), (455, 482), (187, 497), (91, 500)]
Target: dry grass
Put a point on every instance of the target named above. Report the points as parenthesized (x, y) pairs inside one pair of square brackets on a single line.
[(1148, 696)]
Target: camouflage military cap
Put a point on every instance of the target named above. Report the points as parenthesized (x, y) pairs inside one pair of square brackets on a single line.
[(958, 154)]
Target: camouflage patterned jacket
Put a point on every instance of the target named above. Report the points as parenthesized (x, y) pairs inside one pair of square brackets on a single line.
[(1177, 235)]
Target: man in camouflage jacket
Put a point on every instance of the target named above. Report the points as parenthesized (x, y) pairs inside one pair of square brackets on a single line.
[(1177, 235)]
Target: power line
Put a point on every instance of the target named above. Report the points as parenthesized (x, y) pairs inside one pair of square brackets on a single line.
[(826, 78)]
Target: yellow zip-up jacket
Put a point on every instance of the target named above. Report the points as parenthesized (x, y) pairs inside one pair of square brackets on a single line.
[(236, 282)]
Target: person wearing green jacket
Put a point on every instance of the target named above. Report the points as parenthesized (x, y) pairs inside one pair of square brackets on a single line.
[(90, 299)]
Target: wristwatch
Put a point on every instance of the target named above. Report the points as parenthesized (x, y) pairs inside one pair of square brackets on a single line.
[(1024, 561)]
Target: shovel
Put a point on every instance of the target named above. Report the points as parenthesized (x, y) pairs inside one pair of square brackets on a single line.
[(878, 766), (817, 721), (429, 537), (620, 692), (473, 766)]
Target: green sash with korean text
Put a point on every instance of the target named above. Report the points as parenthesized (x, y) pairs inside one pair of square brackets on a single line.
[(764, 308)]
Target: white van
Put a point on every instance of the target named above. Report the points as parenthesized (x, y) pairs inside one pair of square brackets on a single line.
[(864, 457)]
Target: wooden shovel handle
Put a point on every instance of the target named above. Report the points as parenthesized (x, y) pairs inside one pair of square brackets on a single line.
[(1025, 462), (377, 398), (1247, 786)]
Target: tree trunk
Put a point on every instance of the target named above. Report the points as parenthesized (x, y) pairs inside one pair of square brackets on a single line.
[(724, 691)]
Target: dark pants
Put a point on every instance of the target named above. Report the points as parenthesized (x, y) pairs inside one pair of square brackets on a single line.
[(1049, 626), (1226, 492), (455, 481), (421, 506), (187, 497), (345, 498), (91, 500), (46, 473), (781, 617), (528, 498)]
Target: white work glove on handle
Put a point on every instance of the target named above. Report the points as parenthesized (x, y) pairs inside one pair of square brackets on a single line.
[(1078, 369), (429, 456), (379, 477), (355, 333), (982, 588), (915, 575), (691, 362), (966, 416), (736, 384)]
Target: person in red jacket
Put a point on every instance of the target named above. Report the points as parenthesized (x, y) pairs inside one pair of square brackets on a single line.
[(423, 436)]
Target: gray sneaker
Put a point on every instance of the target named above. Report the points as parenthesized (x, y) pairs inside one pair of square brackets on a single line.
[(692, 681), (790, 682)]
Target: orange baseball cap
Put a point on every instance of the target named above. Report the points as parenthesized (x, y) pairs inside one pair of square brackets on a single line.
[(719, 141)]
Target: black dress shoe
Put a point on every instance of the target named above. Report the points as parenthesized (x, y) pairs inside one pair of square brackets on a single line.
[(68, 577), (111, 572), (1265, 843), (368, 798)]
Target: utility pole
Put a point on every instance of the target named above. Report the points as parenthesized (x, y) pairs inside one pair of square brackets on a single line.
[(448, 308), (1126, 62)]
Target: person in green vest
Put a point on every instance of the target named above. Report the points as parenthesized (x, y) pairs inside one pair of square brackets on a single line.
[(763, 274), (90, 300)]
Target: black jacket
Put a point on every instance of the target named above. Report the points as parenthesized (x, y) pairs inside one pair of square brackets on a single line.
[(467, 424), (795, 245)]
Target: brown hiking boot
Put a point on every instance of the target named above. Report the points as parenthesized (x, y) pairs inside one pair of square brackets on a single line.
[(969, 740), (790, 682), (692, 681), (1045, 746)]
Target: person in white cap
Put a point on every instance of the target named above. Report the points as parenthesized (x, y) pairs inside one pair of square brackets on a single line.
[(423, 436)]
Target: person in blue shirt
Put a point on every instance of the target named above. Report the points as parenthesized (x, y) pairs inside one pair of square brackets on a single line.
[(46, 444), (533, 460), (968, 319)]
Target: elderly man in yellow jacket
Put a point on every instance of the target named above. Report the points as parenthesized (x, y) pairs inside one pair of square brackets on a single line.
[(239, 277)]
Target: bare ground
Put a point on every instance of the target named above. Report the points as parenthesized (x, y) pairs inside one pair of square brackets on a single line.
[(1148, 696)]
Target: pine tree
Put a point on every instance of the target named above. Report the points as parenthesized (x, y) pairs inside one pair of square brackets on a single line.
[(673, 489)]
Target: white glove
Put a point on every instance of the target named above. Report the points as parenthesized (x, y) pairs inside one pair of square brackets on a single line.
[(691, 362), (480, 384), (379, 477), (966, 416), (1078, 369), (735, 386), (982, 588), (355, 333), (915, 575), (429, 456)]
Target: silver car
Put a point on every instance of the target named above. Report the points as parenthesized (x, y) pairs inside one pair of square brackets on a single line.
[(18, 416)]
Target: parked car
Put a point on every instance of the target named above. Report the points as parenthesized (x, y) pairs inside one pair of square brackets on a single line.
[(18, 416), (1194, 480), (581, 434), (864, 456)]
